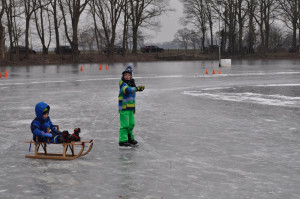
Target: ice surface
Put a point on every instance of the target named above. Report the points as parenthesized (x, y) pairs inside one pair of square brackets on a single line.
[(229, 136)]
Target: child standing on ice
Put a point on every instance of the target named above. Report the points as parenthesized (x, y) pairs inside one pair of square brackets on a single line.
[(127, 108), (40, 124)]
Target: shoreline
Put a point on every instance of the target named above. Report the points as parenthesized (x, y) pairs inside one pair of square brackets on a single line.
[(54, 59)]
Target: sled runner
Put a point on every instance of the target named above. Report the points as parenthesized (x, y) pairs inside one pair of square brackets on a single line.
[(60, 156)]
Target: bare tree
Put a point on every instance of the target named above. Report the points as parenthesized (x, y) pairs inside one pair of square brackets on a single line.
[(264, 17), (72, 9), (299, 25), (57, 21), (126, 14), (40, 25), (276, 38), (290, 16), (86, 38), (143, 12), (109, 12), (182, 37), (195, 40), (30, 7), (195, 13), (231, 22), (2, 33), (210, 16), (98, 36), (12, 10), (242, 12), (250, 37)]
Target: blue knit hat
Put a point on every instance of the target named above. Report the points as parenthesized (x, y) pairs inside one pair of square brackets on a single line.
[(128, 70)]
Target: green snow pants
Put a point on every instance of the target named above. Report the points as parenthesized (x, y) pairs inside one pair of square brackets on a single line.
[(126, 126)]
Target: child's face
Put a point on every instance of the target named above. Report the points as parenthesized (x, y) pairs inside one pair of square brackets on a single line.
[(45, 116), (127, 76)]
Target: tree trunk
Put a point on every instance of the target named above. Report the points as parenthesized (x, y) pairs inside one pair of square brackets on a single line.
[(251, 35), (56, 26), (299, 25), (76, 8), (2, 42), (299, 41), (125, 29), (262, 38), (294, 43), (74, 44), (134, 39), (267, 25), (27, 37)]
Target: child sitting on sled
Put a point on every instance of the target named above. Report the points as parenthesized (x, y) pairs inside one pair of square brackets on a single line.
[(42, 122)]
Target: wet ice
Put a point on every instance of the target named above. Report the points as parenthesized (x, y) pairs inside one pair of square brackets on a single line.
[(234, 135)]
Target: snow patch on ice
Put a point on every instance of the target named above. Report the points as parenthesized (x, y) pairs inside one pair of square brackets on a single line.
[(216, 88), (45, 82), (257, 74), (274, 100), (277, 85)]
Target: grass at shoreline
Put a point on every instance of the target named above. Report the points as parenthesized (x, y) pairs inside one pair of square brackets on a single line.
[(53, 59)]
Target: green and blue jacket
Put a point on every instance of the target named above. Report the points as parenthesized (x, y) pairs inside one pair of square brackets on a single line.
[(126, 96)]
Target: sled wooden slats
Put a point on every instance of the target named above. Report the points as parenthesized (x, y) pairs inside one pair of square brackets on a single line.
[(67, 147)]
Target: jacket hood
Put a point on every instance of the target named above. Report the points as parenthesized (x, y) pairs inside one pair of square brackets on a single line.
[(39, 109)]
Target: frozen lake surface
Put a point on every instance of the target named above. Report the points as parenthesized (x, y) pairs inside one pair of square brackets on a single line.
[(234, 135)]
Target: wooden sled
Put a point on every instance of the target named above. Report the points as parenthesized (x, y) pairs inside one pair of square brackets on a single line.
[(63, 155)]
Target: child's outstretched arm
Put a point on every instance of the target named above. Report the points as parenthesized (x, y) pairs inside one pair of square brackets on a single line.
[(125, 89)]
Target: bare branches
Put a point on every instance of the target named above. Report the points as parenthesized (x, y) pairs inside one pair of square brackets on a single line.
[(74, 8)]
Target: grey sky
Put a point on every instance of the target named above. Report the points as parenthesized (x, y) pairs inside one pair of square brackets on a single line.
[(169, 24)]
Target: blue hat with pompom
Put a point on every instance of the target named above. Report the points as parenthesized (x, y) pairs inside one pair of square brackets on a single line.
[(128, 70)]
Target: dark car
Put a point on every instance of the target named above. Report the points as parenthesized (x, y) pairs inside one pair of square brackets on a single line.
[(117, 49), (211, 48), (64, 50), (21, 50), (151, 49)]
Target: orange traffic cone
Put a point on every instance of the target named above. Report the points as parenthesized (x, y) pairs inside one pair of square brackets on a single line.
[(206, 72), (106, 66), (214, 71), (100, 67), (0, 74), (219, 71), (5, 74), (81, 69)]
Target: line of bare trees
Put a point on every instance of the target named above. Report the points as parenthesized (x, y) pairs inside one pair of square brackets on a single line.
[(246, 25), (79, 22)]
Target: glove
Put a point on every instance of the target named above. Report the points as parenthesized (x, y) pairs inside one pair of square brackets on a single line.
[(46, 135), (140, 88)]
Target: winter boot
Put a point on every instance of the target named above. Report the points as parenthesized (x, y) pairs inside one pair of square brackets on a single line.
[(57, 139), (75, 136), (66, 137), (131, 141), (124, 145)]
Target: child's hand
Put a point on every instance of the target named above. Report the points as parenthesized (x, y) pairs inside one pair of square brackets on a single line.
[(47, 135), (140, 88)]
